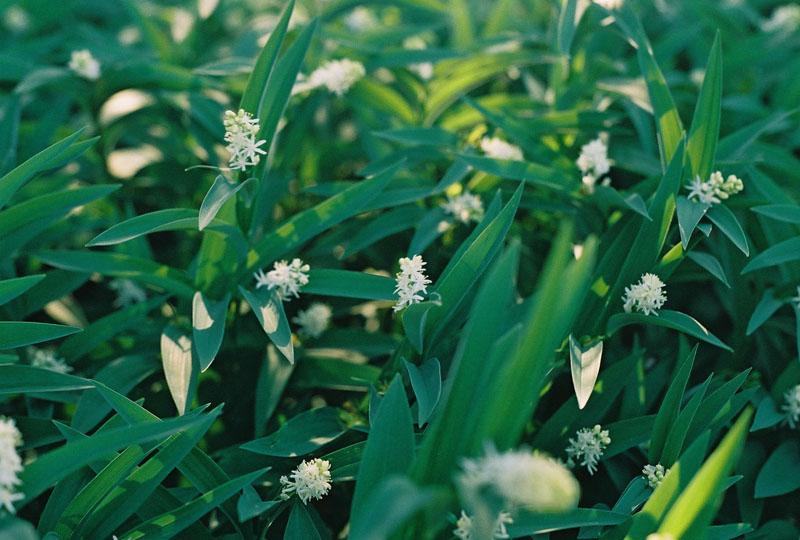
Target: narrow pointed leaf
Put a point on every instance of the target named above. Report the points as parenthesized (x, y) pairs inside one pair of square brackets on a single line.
[(268, 308), (584, 366), (208, 326)]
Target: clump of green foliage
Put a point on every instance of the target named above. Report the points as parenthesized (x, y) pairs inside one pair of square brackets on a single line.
[(326, 269)]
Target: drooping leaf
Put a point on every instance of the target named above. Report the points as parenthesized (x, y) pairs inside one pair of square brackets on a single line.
[(268, 309)]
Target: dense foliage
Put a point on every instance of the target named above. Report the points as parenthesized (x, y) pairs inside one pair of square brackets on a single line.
[(405, 269)]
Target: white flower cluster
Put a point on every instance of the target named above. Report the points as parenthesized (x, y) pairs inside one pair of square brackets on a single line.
[(286, 278), (48, 360), (361, 19), (588, 446), (654, 474), (128, 292), (593, 162), (647, 296), (497, 148), (241, 130), (411, 281), (310, 480), (715, 189), (314, 320), (792, 406), (84, 64), (463, 529), (10, 464), (464, 207), (784, 19), (522, 478), (337, 75)]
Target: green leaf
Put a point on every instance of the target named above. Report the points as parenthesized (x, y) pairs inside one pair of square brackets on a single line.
[(528, 523), (525, 171), (268, 309), (272, 380), (140, 225), (250, 504), (278, 89), (568, 19), (781, 473), (766, 307), (415, 318), (20, 334), (11, 288), (789, 213), (180, 367), (387, 224), (349, 284), (301, 435), (171, 523), (335, 374), (711, 264), (220, 192), (689, 215), (676, 437), (25, 379), (670, 408), (311, 222), (434, 136), (17, 529), (669, 319), (782, 252), (426, 381), (393, 502), (702, 143), (722, 217), (695, 508), (55, 465), (389, 450), (208, 326), (107, 327), (300, 525), (256, 88), (16, 178), (668, 121), (767, 415), (120, 265), (584, 366)]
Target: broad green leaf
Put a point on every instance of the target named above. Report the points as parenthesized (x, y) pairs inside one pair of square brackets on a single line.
[(171, 523), (695, 508), (689, 215), (668, 121), (16, 178), (433, 136), (392, 222), (46, 209), (782, 252), (426, 381), (430, 227), (335, 374), (25, 379), (568, 19), (268, 309), (528, 523), (180, 366), (669, 319), (670, 408), (722, 217), (250, 504), (313, 221), (389, 450), (11, 288), (272, 380), (676, 436), (393, 502), (781, 473), (711, 264), (124, 500), (767, 415), (584, 366), (633, 201), (20, 334), (301, 435), (55, 465), (208, 326), (300, 525), (381, 99), (254, 92), (415, 318), (349, 284), (107, 327), (17, 529), (789, 213), (702, 143), (218, 195), (120, 265), (531, 173), (766, 307), (714, 409)]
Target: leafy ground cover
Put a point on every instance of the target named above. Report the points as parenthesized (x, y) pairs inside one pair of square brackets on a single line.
[(410, 269)]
